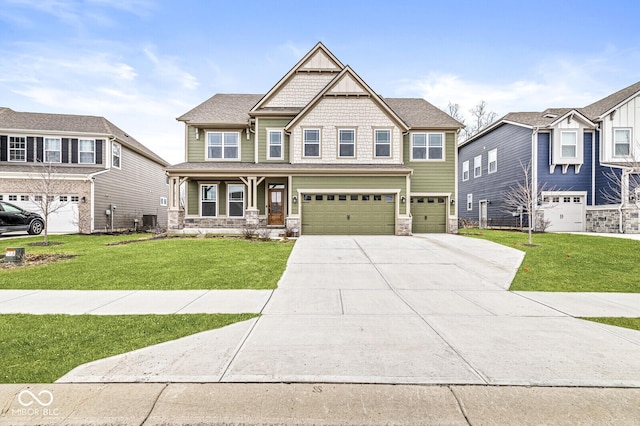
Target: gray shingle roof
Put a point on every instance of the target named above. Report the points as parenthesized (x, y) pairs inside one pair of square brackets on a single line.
[(225, 166), (536, 119), (72, 124), (418, 113), (222, 109), (596, 109), (234, 109)]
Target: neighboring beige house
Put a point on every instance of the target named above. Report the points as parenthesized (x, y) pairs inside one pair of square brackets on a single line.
[(319, 153), (104, 179)]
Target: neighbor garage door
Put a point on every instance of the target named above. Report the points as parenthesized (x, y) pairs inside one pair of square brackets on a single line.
[(63, 220), (429, 214), (351, 214), (564, 213)]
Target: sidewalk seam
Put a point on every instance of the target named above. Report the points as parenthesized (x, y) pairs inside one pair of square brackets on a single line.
[(153, 407), (460, 405)]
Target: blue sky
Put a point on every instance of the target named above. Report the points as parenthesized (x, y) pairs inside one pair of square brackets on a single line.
[(142, 63)]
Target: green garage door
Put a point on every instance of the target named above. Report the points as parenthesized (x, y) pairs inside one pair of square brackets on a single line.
[(361, 214), (429, 214)]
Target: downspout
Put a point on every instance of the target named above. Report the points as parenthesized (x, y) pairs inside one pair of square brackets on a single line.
[(92, 179), (534, 179), (623, 195)]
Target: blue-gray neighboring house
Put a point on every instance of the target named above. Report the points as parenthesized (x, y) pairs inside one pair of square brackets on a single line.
[(580, 161)]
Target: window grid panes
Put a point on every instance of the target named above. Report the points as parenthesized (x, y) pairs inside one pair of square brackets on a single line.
[(493, 161), (208, 200), (347, 143), (569, 143), (622, 142), (86, 148), (236, 200), (477, 166), (52, 150), (427, 146), (275, 144), (116, 154), (419, 146), (223, 146), (311, 143), (17, 148), (436, 147), (383, 143)]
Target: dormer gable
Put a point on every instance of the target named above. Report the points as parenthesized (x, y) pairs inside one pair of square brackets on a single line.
[(308, 77), (568, 140)]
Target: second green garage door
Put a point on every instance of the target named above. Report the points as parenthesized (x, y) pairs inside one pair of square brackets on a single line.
[(429, 214), (351, 214)]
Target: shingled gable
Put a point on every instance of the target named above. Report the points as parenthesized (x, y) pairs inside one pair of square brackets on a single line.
[(604, 106), (348, 83), (317, 60)]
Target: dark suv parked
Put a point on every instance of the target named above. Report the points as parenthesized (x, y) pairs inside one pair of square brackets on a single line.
[(13, 218)]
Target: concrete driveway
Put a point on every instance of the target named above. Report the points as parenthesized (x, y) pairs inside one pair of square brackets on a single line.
[(427, 309)]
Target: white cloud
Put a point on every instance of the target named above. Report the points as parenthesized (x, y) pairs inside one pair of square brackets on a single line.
[(167, 69)]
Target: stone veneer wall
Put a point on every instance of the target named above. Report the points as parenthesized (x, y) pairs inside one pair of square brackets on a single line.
[(608, 220), (403, 225), (453, 225)]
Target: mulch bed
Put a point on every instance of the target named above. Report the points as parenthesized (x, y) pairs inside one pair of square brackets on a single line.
[(36, 259)]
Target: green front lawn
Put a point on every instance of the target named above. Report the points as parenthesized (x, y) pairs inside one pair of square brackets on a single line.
[(632, 323), (161, 264), (573, 263), (42, 348)]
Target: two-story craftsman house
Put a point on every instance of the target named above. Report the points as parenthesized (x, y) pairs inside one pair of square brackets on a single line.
[(320, 153)]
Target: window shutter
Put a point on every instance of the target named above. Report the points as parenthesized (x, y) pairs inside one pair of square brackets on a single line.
[(74, 151), (30, 149), (65, 150), (3, 148), (40, 149), (99, 151)]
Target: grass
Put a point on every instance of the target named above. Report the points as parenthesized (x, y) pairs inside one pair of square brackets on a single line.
[(42, 348), (571, 263), (161, 264), (632, 323)]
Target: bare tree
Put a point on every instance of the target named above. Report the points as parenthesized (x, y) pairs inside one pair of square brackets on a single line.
[(623, 187), (482, 118), (523, 197), (454, 111), (44, 185)]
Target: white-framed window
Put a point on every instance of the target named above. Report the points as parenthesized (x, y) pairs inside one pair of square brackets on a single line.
[(223, 145), (477, 166), (382, 143), (164, 202), (427, 146), (235, 207), (209, 200), (493, 160), (465, 171), (52, 150), (621, 142), (568, 144), (311, 142), (469, 202), (116, 154), (17, 148), (346, 143), (274, 145), (86, 151)]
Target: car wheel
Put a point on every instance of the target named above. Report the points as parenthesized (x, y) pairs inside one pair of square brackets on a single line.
[(36, 227)]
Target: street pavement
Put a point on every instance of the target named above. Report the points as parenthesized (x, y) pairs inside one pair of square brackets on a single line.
[(430, 309)]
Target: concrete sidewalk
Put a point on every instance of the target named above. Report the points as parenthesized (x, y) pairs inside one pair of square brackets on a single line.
[(317, 404), (134, 302), (426, 309)]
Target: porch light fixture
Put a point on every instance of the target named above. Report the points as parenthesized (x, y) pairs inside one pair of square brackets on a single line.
[(84, 199), (453, 201), (403, 199), (295, 199)]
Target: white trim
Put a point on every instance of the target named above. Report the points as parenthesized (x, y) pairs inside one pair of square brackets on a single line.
[(244, 198), (339, 130), (477, 159), (495, 160), (26, 141), (426, 147), (217, 201), (281, 132), (375, 142), (613, 142), (465, 163), (113, 145), (222, 145), (319, 142), (562, 144), (44, 149), (80, 150)]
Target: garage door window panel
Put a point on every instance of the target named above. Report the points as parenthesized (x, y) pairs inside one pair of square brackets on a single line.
[(208, 200)]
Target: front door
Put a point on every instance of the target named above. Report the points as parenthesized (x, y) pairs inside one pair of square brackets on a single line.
[(276, 207)]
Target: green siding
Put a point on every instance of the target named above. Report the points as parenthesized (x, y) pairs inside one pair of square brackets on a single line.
[(193, 198), (196, 147), (271, 123), (347, 182)]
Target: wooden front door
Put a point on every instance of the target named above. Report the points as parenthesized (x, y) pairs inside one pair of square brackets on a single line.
[(276, 207)]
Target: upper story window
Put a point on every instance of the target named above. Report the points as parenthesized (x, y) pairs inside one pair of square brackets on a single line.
[(347, 143), (621, 142), (208, 200), (382, 143), (427, 146), (465, 171), (223, 146), (274, 148), (116, 154), (236, 201), (87, 151), (52, 150), (569, 144), (311, 142), (17, 148), (493, 161), (477, 166)]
